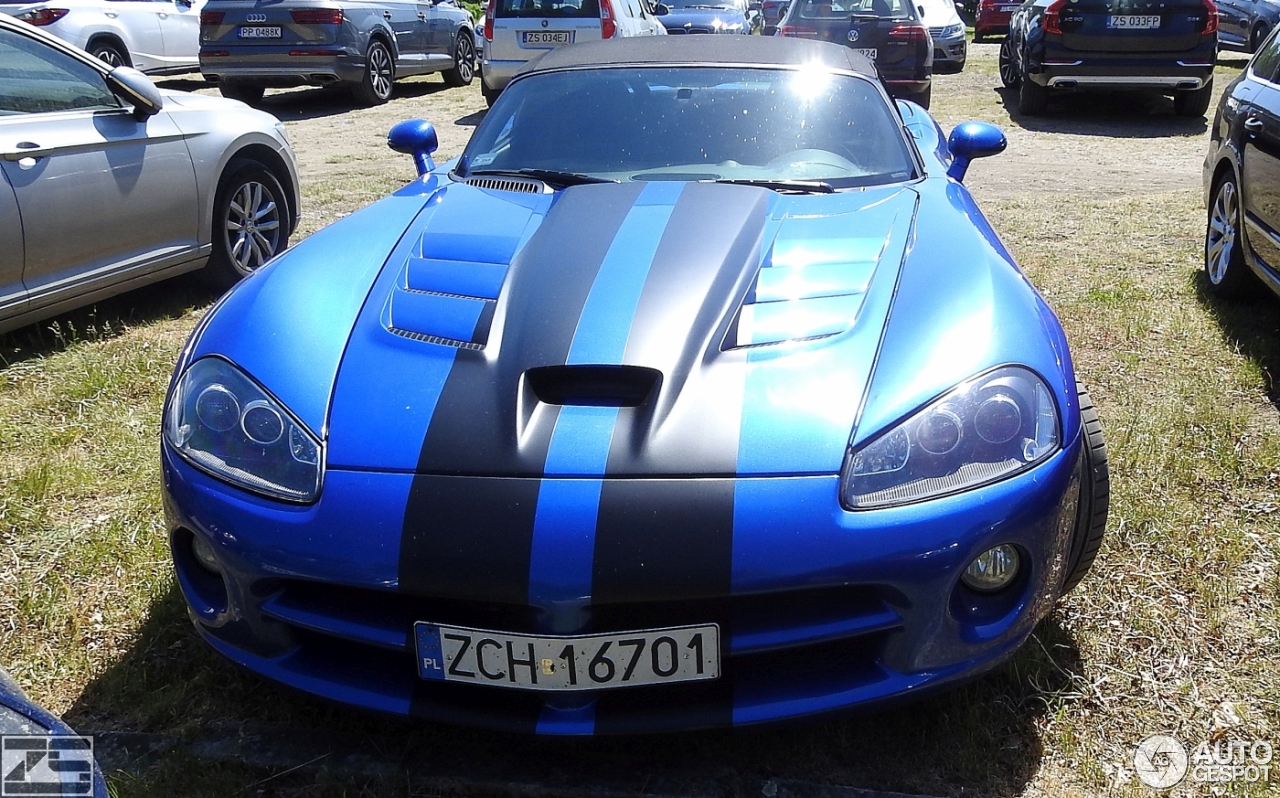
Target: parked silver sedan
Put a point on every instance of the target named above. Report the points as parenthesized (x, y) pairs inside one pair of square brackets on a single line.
[(110, 183)]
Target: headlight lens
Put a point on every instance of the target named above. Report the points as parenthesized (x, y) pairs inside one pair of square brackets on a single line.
[(222, 422), (984, 430), (952, 30)]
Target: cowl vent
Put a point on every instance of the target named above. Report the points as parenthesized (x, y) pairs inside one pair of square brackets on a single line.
[(516, 184)]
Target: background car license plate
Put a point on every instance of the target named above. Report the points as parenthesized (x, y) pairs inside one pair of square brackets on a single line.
[(1134, 22), (582, 662), (552, 37), (259, 33), (869, 52)]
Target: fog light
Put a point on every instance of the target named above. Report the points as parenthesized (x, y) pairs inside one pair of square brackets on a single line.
[(204, 555), (993, 569)]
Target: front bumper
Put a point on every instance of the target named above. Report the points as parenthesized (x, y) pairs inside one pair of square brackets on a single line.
[(284, 66), (949, 55), (826, 610)]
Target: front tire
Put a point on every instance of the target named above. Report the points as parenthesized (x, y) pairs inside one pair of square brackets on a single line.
[(464, 62), (1033, 99), (1009, 75), (1195, 102), (379, 73), (250, 222), (247, 93), (1095, 495), (1224, 267), (1257, 37), (109, 52)]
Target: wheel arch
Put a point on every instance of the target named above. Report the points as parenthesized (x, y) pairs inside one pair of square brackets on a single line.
[(112, 36), (383, 35), (271, 159), (253, 146)]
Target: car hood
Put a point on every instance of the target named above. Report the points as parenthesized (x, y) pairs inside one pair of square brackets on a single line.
[(631, 329)]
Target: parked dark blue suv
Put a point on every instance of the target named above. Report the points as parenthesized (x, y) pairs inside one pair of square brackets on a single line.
[(1169, 46)]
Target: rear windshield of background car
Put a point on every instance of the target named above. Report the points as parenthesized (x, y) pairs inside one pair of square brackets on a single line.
[(574, 9), (823, 9)]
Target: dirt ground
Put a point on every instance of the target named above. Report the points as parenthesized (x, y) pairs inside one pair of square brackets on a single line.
[(1072, 151)]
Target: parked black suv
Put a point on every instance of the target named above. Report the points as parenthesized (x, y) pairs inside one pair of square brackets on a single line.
[(1242, 180), (1168, 46), (888, 32)]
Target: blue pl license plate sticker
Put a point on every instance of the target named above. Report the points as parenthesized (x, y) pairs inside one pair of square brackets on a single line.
[(581, 662)]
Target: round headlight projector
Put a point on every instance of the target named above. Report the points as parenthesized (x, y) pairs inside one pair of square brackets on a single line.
[(262, 423), (217, 408), (940, 431), (992, 570)]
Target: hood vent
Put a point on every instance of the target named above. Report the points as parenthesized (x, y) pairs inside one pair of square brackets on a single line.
[(593, 386), (520, 185)]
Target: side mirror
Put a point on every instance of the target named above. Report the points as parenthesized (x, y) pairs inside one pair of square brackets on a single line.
[(973, 140), (661, 9), (184, 3), (921, 10), (416, 137), (136, 89)]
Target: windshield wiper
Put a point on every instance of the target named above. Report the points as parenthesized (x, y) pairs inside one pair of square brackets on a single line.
[(550, 176), (798, 186)]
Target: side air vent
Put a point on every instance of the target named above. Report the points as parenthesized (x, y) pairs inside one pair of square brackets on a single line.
[(519, 185), (593, 386)]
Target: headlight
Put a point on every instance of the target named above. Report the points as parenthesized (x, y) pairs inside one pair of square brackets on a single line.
[(222, 422), (952, 30), (984, 430)]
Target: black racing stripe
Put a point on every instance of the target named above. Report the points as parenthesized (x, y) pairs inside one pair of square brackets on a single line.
[(469, 537), (472, 537), (474, 429), (705, 262), (484, 322), (689, 706), (667, 540), (469, 705), (663, 540)]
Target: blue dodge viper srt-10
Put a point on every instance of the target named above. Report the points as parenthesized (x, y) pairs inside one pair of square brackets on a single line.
[(696, 392)]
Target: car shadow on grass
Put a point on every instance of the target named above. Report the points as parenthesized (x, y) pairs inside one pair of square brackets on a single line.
[(317, 102), (229, 730), (1117, 114), (1250, 324), (110, 318)]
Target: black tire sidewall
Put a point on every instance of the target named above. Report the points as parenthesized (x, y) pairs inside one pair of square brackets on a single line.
[(454, 77), (102, 46), (222, 270)]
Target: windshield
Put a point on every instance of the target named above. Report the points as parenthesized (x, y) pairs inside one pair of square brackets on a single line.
[(695, 123), (824, 9), (735, 5)]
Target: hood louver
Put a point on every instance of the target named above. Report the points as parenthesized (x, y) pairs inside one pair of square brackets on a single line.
[(444, 301), (517, 184)]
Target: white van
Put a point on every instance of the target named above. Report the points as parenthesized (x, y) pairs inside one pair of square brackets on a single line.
[(517, 31)]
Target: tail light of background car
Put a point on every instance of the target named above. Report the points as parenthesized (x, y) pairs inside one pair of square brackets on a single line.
[(1211, 17), (908, 33), (1053, 17), (608, 25), (317, 16), (43, 16), (488, 20), (212, 17), (797, 30)]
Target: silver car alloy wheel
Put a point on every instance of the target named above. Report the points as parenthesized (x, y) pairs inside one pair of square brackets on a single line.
[(380, 71), (252, 226), (108, 54), (466, 58), (1221, 241)]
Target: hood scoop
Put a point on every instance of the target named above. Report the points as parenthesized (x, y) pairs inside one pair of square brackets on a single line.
[(442, 299), (811, 285), (593, 386), (520, 185)]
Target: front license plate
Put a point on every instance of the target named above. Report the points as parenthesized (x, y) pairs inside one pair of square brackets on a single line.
[(581, 662), (1134, 22), (259, 33), (554, 38), (869, 52), (1009, 9)]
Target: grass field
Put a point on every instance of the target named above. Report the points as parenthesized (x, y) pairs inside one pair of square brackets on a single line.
[(1175, 631)]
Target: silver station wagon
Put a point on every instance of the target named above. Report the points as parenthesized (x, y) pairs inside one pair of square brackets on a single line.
[(247, 46)]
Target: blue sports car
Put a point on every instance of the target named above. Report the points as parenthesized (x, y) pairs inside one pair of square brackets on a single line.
[(697, 392)]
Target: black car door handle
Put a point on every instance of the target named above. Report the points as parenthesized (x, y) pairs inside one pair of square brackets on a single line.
[(1253, 124), (386, 15), (421, 15)]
